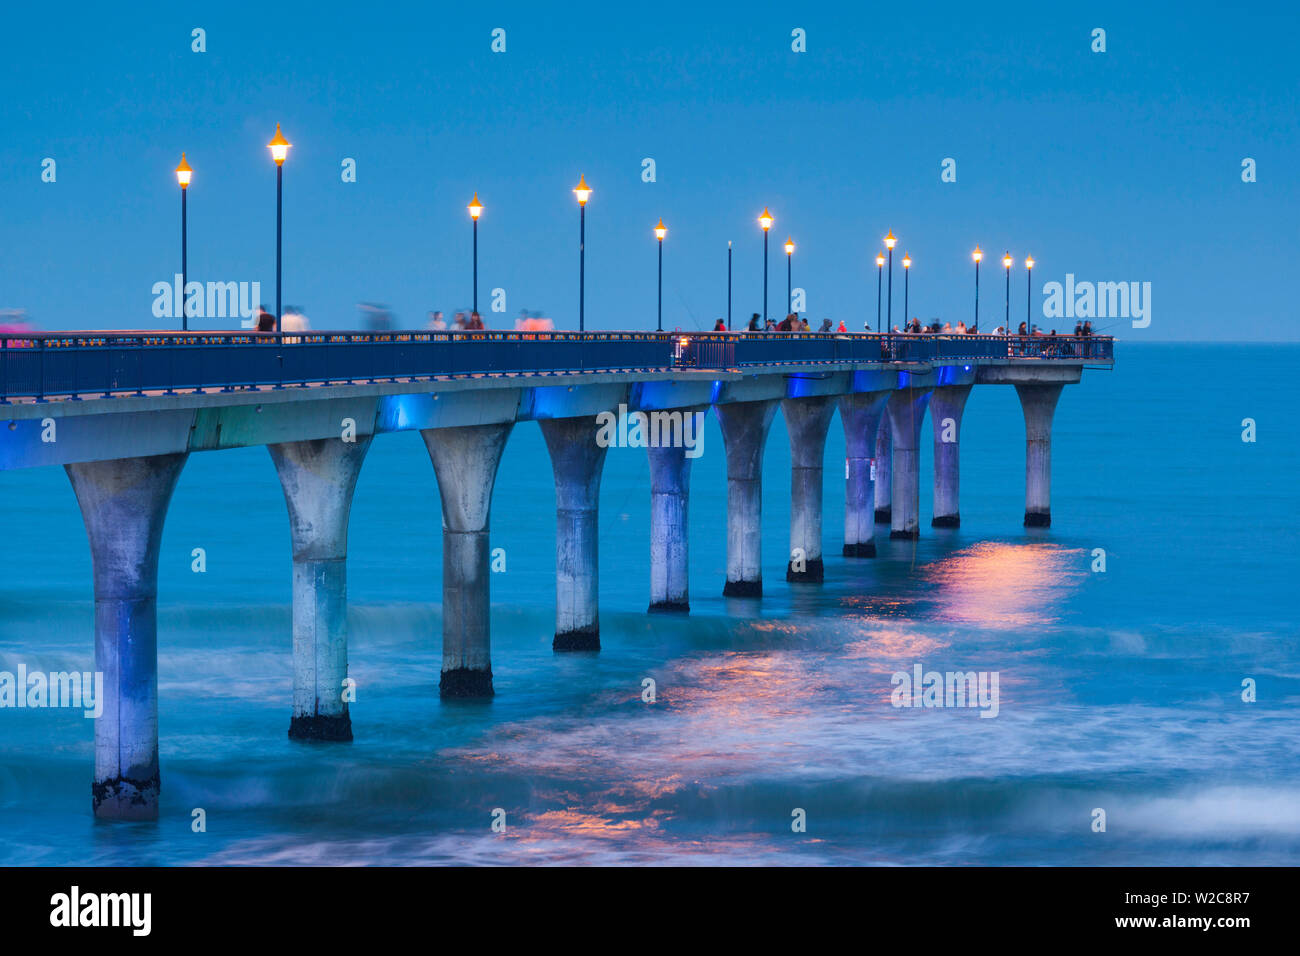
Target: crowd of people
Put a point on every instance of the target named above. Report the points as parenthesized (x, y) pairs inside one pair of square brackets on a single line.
[(378, 318), (293, 319), (462, 322), (792, 323), (473, 322)]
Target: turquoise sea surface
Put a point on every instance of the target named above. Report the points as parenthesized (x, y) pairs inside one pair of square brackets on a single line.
[(1120, 690)]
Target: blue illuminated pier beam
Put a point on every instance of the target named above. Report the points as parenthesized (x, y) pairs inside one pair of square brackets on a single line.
[(947, 402), (861, 414), (124, 504), (318, 478), (577, 459)]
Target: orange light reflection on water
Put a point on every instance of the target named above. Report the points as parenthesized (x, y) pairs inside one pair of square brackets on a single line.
[(739, 716), (996, 584)]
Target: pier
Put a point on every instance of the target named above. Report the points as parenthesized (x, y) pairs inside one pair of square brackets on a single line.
[(121, 412)]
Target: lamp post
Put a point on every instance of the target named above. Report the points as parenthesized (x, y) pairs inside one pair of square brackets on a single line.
[(789, 259), (1006, 263), (889, 299), (279, 147), (978, 256), (583, 192), (728, 285), (183, 176), (880, 275), (660, 232), (907, 271), (475, 210), (765, 221), (1029, 291)]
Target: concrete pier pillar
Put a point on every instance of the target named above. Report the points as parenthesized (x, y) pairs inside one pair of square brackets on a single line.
[(1038, 402), (318, 478), (947, 402), (465, 459), (124, 504), (806, 420), (861, 414), (670, 492), (745, 426), (884, 474), (906, 414), (577, 461)]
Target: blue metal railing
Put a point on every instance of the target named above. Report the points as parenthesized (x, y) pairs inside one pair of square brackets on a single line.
[(91, 364)]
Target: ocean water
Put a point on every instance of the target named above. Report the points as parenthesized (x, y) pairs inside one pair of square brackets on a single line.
[(1119, 690)]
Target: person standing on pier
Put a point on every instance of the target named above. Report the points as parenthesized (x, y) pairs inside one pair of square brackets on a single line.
[(719, 326), (753, 324)]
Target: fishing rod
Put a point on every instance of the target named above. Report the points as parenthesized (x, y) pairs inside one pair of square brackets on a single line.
[(687, 306), (1111, 326)]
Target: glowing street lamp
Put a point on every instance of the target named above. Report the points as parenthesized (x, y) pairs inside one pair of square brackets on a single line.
[(475, 210), (279, 147), (660, 232), (583, 192), (1029, 291), (1006, 264), (183, 176), (789, 258), (765, 220), (880, 273), (977, 255), (907, 271), (890, 240)]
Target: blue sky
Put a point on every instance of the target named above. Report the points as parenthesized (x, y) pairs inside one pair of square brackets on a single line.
[(1115, 166)]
